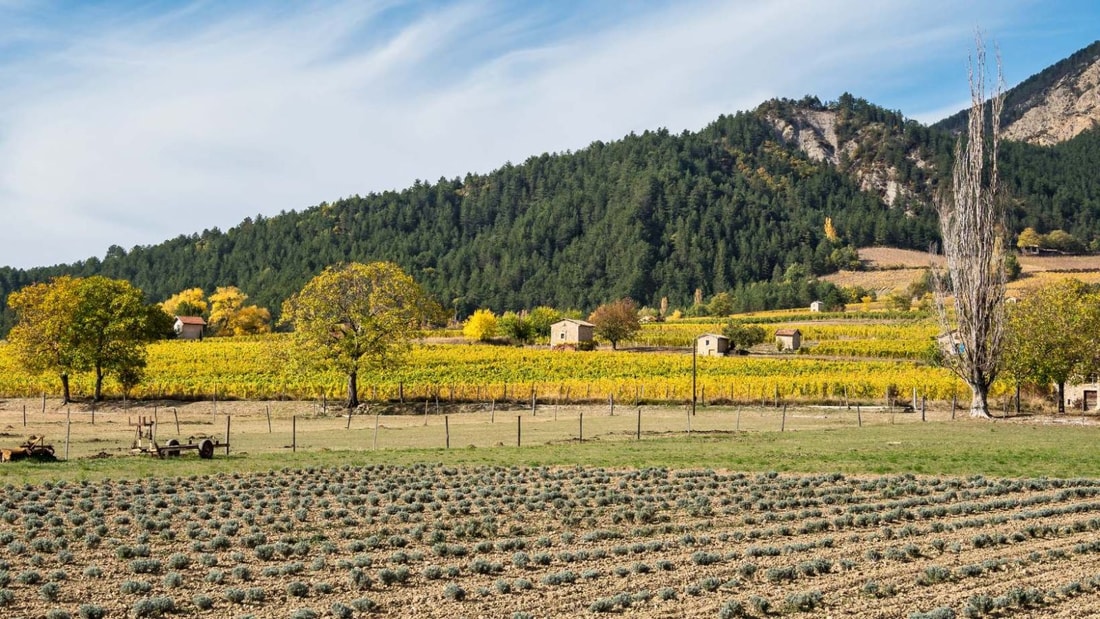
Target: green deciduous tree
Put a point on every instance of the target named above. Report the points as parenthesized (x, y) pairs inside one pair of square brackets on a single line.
[(516, 327), (616, 321), (93, 324), (354, 317), (1052, 336), (111, 325), (541, 318), (743, 336)]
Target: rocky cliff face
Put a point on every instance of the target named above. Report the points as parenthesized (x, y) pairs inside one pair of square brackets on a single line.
[(824, 136), (1056, 114)]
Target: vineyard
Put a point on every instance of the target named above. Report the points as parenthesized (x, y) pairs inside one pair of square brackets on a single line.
[(434, 541), (845, 362)]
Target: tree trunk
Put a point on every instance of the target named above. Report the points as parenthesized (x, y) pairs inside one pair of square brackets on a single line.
[(979, 401), (353, 390), (65, 398), (98, 384), (1062, 397)]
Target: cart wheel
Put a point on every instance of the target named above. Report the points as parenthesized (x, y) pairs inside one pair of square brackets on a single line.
[(172, 452), (206, 449)]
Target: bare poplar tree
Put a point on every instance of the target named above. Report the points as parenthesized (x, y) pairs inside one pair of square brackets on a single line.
[(972, 226)]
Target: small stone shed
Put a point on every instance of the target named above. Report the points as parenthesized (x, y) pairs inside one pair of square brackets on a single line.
[(571, 331), (1082, 396), (788, 339), (189, 327), (712, 345), (817, 306)]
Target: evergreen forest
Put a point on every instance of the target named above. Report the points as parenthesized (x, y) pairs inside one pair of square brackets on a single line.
[(729, 208)]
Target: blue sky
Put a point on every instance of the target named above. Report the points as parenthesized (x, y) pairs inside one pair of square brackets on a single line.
[(128, 123)]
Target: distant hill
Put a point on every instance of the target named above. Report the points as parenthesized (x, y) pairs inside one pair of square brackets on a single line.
[(650, 216)]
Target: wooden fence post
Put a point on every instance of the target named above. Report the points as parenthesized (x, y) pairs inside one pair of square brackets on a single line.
[(267, 408), (859, 417), (519, 430), (738, 427), (294, 433), (611, 404), (922, 403), (177, 417), (783, 423), (227, 420), (447, 429), (581, 429), (638, 433), (68, 430)]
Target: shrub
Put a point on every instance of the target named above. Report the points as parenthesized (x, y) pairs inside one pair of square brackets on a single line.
[(297, 589), (731, 609), (203, 601), (705, 558), (91, 611), (454, 592), (145, 566), (759, 604), (49, 591), (804, 601), (602, 605), (304, 613), (364, 605), (135, 587), (340, 611)]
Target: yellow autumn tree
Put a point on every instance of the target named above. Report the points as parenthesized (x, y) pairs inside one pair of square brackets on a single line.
[(190, 302), (230, 316), (251, 320), (830, 230), (481, 326)]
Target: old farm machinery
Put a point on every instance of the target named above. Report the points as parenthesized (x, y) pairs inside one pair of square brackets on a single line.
[(145, 442), (34, 448)]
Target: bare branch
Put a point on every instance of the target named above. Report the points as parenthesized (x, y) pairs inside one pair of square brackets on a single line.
[(972, 226)]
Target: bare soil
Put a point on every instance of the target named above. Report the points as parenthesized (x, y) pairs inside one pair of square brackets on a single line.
[(433, 541)]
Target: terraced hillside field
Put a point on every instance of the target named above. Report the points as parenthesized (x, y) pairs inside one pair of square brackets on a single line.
[(433, 541)]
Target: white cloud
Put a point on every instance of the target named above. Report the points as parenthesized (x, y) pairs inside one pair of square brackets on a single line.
[(170, 124)]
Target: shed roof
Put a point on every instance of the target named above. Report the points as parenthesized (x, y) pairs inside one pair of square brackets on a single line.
[(717, 335), (788, 332), (575, 321), (191, 320)]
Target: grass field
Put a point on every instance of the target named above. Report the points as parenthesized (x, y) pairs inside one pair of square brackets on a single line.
[(805, 439)]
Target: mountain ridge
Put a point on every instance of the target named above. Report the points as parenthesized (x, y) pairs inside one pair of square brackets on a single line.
[(649, 216)]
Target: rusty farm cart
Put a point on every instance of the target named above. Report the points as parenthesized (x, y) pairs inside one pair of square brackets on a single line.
[(145, 441)]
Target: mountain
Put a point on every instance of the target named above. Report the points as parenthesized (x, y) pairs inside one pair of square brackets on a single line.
[(741, 201), (1052, 106)]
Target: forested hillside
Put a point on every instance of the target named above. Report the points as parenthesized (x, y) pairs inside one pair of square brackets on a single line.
[(648, 216)]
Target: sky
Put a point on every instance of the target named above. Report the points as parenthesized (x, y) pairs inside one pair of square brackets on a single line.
[(130, 123)]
